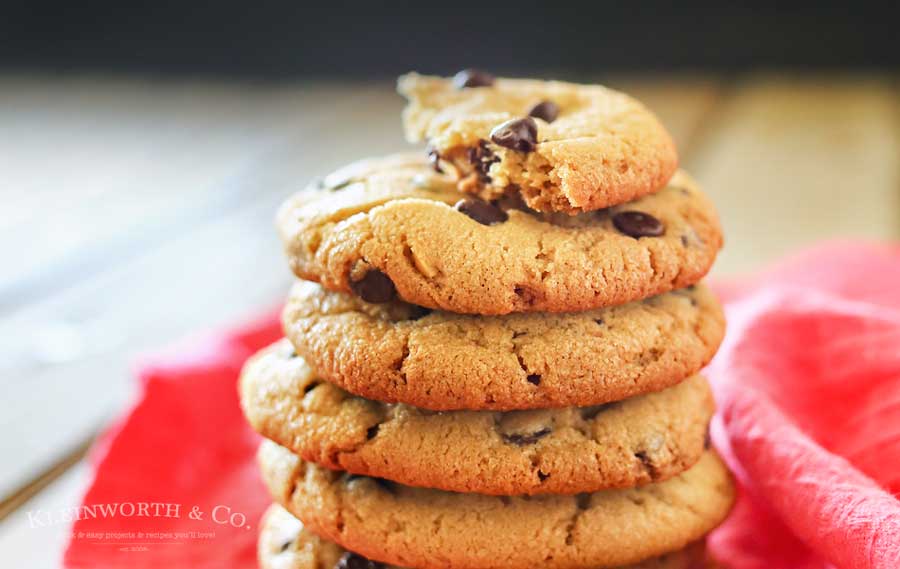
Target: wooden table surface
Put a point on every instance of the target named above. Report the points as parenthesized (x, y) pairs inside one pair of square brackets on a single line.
[(136, 211)]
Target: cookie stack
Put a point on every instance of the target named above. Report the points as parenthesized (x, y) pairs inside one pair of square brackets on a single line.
[(492, 361)]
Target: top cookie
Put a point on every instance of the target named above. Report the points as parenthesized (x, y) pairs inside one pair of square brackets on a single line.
[(388, 228), (561, 146)]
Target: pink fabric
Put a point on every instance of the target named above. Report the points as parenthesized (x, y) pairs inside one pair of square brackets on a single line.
[(808, 386)]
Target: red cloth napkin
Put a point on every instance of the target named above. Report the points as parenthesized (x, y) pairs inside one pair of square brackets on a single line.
[(808, 386)]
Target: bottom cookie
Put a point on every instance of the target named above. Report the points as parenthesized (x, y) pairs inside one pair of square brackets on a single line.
[(285, 544), (434, 529)]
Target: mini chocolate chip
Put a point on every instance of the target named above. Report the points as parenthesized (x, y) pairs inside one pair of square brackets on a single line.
[(528, 295), (647, 463), (372, 432), (517, 134), (522, 439), (600, 321), (542, 477), (375, 286), (472, 78), (534, 379), (482, 211), (434, 157), (352, 560), (638, 224), (547, 111)]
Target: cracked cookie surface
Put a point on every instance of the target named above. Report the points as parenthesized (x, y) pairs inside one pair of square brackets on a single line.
[(417, 527), (637, 441), (397, 352), (285, 544), (595, 147), (387, 228)]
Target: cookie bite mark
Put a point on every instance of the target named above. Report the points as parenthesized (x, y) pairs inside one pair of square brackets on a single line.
[(564, 147)]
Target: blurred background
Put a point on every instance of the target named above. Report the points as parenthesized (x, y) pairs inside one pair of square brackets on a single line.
[(144, 148)]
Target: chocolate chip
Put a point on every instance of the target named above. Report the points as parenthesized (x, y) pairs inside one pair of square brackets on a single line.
[(352, 560), (472, 78), (481, 157), (600, 321), (375, 287), (482, 211), (434, 157), (547, 111), (522, 439), (372, 432), (534, 379), (542, 476), (517, 134), (638, 224)]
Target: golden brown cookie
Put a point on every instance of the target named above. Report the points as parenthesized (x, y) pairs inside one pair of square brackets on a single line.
[(415, 527), (393, 228), (398, 352), (560, 451), (560, 146), (285, 544)]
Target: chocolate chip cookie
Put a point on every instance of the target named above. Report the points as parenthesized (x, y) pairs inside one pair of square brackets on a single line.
[(415, 527), (285, 544), (395, 228), (398, 352), (643, 439), (560, 146)]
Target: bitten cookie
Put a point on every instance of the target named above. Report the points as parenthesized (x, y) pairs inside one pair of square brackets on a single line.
[(417, 527), (285, 544), (386, 229), (560, 451), (560, 146), (398, 352)]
